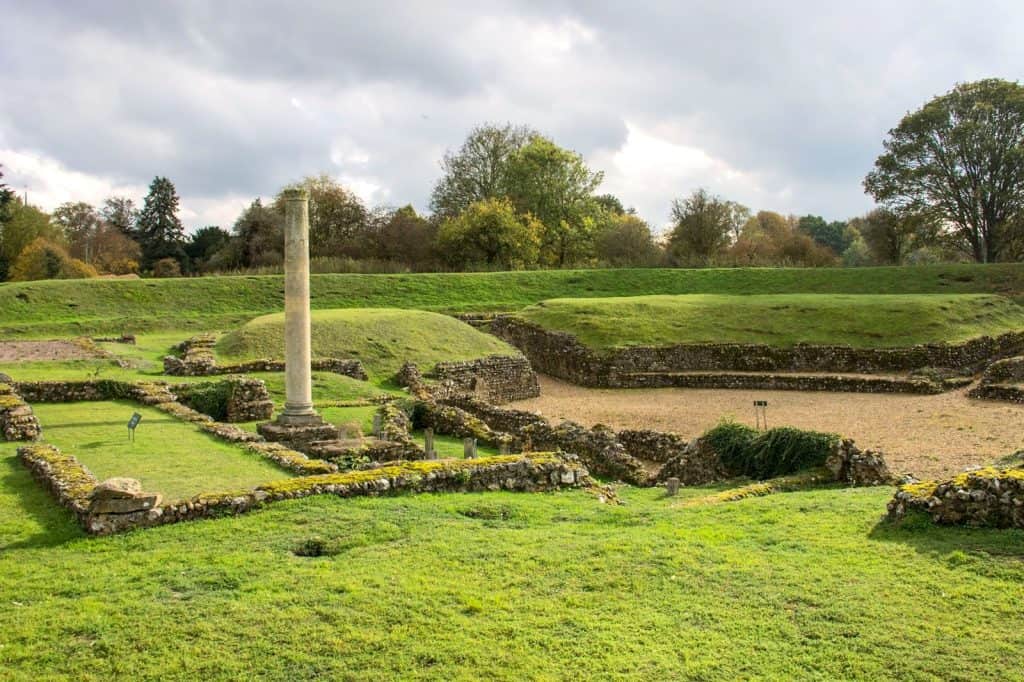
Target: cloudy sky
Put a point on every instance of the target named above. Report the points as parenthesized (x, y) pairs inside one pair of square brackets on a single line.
[(779, 105)]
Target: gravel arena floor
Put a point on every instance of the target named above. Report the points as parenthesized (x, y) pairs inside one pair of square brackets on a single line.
[(928, 436)]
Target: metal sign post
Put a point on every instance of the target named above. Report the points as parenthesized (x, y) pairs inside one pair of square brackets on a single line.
[(761, 414), (132, 423)]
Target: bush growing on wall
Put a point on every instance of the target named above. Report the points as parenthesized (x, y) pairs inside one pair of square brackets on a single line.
[(747, 452)]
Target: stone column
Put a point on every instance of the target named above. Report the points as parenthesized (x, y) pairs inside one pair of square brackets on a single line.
[(298, 406)]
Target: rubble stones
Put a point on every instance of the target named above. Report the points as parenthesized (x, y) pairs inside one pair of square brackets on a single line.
[(986, 497)]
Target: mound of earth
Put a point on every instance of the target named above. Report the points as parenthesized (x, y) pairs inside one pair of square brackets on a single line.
[(383, 338), (859, 321)]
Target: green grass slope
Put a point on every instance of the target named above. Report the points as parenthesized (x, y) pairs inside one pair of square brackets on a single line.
[(863, 321), (211, 303), (382, 338), (505, 586)]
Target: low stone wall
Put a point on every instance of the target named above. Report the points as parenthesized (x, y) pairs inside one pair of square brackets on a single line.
[(147, 393), (496, 378), (73, 484), (563, 356), (597, 448), (835, 383), (653, 446), (455, 421), (17, 421), (498, 418), (987, 497), (1002, 380), (197, 360)]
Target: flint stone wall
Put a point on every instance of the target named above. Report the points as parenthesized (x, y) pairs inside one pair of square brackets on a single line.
[(197, 360), (496, 378), (17, 421), (73, 484), (987, 497), (1002, 380), (562, 355), (238, 399)]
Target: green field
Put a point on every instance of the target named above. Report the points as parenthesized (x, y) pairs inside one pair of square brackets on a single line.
[(863, 321), (503, 586), (40, 309), (168, 456), (382, 338)]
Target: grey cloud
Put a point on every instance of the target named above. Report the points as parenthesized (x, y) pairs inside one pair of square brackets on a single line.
[(797, 94)]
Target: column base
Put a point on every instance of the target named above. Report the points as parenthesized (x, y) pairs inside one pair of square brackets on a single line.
[(298, 431)]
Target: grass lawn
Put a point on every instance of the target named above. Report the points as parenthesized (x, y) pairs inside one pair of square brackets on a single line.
[(862, 321), (168, 456), (510, 586), (189, 305), (382, 338)]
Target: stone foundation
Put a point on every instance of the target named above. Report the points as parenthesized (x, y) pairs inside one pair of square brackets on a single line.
[(1002, 380), (73, 485), (562, 355), (17, 421), (495, 379), (234, 399), (197, 359), (987, 497)]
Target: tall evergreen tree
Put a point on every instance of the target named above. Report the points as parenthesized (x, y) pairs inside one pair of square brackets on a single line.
[(6, 196), (160, 232)]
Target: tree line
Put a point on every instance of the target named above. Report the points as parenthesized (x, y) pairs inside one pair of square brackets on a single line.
[(949, 186)]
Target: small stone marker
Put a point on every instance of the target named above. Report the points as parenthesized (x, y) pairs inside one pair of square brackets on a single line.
[(672, 487), (504, 448), (132, 423), (428, 443), (377, 425), (469, 448)]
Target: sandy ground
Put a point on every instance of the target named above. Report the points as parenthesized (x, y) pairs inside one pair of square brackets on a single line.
[(928, 436), (25, 351)]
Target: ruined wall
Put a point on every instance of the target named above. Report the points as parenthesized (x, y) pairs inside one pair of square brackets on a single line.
[(197, 360), (73, 485), (17, 421), (496, 378), (987, 497), (1002, 380), (562, 355), (233, 399)]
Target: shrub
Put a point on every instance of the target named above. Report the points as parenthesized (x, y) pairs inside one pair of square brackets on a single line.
[(166, 267), (77, 269), (210, 398), (777, 452), (42, 259), (123, 266)]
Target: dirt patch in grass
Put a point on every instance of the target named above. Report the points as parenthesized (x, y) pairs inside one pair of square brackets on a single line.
[(26, 351), (928, 436)]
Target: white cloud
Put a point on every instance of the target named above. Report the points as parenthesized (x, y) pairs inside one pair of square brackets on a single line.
[(49, 183)]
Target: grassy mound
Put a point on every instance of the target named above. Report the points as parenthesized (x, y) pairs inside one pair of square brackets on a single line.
[(861, 321), (382, 338), (66, 307)]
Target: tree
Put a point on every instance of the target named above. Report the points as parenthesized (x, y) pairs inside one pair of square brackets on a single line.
[(204, 243), (832, 235), (626, 241), (44, 259), (890, 236), (6, 196), (490, 233), (479, 170), (160, 232), (769, 238), (24, 224), (704, 225), (401, 236), (337, 217), (80, 224), (114, 252), (555, 186), (120, 212), (962, 155), (259, 232)]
